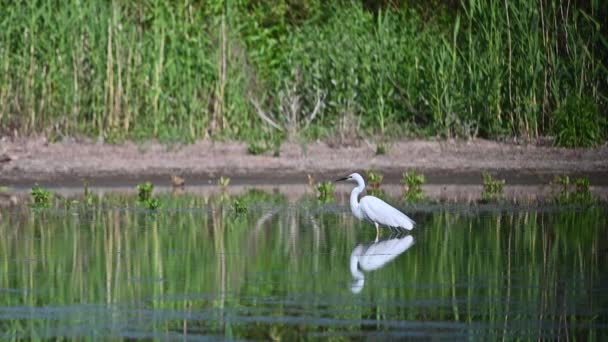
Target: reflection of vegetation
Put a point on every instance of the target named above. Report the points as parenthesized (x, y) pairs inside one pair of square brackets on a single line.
[(144, 194), (42, 197), (239, 206), (412, 181), (518, 270), (575, 192), (492, 188), (325, 191)]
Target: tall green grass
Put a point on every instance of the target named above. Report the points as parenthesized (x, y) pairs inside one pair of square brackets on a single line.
[(190, 69)]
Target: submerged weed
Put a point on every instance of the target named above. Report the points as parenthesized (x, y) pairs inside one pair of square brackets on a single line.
[(493, 189), (412, 182)]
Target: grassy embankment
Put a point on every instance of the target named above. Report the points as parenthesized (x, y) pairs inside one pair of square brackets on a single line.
[(188, 70)]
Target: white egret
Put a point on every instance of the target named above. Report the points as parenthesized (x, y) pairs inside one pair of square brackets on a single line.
[(375, 210), (374, 256)]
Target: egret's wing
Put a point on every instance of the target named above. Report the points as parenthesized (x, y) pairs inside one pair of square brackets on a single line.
[(378, 254), (376, 210)]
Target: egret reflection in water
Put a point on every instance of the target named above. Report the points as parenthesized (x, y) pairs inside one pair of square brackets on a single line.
[(373, 256)]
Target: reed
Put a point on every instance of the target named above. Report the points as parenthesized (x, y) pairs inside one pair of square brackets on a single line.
[(189, 70)]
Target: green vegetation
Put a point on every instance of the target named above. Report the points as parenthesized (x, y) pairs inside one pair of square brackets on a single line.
[(374, 179), (578, 123), (493, 189), (576, 191), (87, 194), (266, 143), (240, 207), (180, 71), (325, 191), (144, 195), (412, 182), (223, 182), (189, 270), (42, 197)]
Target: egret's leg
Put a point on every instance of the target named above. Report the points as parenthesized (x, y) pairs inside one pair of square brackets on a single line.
[(377, 231)]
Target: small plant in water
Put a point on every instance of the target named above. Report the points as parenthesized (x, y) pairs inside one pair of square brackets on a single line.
[(144, 194), (42, 197), (493, 189), (572, 192), (88, 195), (223, 182), (374, 179), (144, 191), (380, 149), (412, 182), (239, 206), (325, 191)]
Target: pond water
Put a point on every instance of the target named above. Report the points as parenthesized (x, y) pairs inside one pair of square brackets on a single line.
[(293, 268)]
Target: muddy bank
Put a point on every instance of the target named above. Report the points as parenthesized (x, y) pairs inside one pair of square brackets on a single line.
[(24, 162)]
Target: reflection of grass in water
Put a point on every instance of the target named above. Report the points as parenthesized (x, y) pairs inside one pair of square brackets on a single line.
[(472, 266), (325, 192)]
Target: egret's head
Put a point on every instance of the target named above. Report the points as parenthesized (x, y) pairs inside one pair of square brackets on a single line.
[(355, 177)]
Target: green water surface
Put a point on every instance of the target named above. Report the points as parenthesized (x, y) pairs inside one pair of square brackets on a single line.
[(299, 269)]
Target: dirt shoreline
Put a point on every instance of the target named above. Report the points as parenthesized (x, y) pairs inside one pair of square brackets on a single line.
[(24, 162)]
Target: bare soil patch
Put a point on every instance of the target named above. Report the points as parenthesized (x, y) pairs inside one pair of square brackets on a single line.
[(26, 161)]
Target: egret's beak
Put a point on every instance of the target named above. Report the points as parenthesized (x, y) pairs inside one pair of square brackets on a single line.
[(342, 179)]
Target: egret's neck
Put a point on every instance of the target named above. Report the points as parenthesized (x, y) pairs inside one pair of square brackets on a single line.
[(354, 201), (358, 276), (354, 266)]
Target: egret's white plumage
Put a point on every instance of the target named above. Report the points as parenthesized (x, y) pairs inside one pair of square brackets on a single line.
[(375, 210)]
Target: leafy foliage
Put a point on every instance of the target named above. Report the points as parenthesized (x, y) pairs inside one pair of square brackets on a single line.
[(179, 71), (42, 197), (374, 179), (412, 182), (578, 123), (493, 189), (576, 191), (144, 195)]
